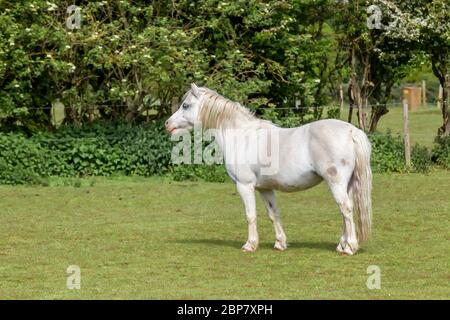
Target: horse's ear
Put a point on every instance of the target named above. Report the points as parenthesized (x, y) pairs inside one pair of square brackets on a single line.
[(195, 90)]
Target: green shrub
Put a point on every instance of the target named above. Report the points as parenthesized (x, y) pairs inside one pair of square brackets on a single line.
[(94, 150), (209, 173), (421, 158), (104, 149), (17, 174), (22, 161), (138, 54), (441, 152), (388, 155)]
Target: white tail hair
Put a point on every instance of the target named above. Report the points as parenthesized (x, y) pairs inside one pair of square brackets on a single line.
[(361, 185)]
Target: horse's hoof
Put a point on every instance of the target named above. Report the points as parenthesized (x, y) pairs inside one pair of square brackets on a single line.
[(280, 246), (248, 247), (347, 250)]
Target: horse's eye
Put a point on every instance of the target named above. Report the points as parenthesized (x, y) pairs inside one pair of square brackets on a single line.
[(185, 106)]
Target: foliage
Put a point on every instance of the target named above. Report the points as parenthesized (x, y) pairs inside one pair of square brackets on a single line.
[(23, 160), (376, 62), (421, 158), (208, 173), (131, 60), (441, 151), (423, 26), (104, 149), (15, 175), (124, 57), (285, 118), (94, 150), (129, 57), (388, 155)]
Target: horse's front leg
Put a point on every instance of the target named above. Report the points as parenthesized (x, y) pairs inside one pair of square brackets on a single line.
[(247, 193), (274, 215)]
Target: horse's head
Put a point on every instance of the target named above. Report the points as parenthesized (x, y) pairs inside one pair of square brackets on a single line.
[(185, 117)]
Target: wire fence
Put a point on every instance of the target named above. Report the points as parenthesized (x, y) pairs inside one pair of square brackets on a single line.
[(113, 138), (137, 138), (104, 106)]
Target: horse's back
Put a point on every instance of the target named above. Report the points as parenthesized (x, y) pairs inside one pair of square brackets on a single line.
[(321, 138), (319, 148), (329, 130)]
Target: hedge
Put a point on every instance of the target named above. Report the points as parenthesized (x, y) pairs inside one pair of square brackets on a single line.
[(441, 152), (96, 150), (105, 149)]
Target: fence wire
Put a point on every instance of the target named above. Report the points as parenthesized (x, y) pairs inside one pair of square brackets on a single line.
[(335, 105)]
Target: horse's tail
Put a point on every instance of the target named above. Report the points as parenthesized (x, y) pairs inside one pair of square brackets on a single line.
[(361, 184)]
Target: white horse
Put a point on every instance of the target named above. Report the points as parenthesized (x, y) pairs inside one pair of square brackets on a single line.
[(330, 150)]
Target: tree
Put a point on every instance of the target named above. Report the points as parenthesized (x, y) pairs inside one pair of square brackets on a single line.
[(130, 56), (376, 62), (124, 56), (270, 53), (424, 25)]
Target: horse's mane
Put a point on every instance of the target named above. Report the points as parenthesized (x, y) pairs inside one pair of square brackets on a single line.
[(218, 112)]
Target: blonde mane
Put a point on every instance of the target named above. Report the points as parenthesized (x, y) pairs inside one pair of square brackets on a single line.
[(218, 112)]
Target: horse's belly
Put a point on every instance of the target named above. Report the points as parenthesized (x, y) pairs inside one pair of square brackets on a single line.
[(302, 181)]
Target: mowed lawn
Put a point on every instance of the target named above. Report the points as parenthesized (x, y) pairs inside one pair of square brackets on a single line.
[(423, 123), (156, 239)]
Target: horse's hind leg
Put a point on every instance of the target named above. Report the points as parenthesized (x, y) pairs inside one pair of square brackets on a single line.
[(274, 215), (349, 242), (247, 193)]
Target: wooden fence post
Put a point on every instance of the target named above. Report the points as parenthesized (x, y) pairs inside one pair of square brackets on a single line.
[(91, 116), (406, 133), (174, 105), (440, 97), (351, 101), (341, 97), (424, 93)]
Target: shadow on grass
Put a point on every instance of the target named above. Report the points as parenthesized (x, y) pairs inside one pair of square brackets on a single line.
[(325, 246)]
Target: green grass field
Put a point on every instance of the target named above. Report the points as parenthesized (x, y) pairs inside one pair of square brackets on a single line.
[(423, 125), (156, 239)]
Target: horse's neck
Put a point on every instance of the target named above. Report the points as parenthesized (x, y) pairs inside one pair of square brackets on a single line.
[(235, 132)]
